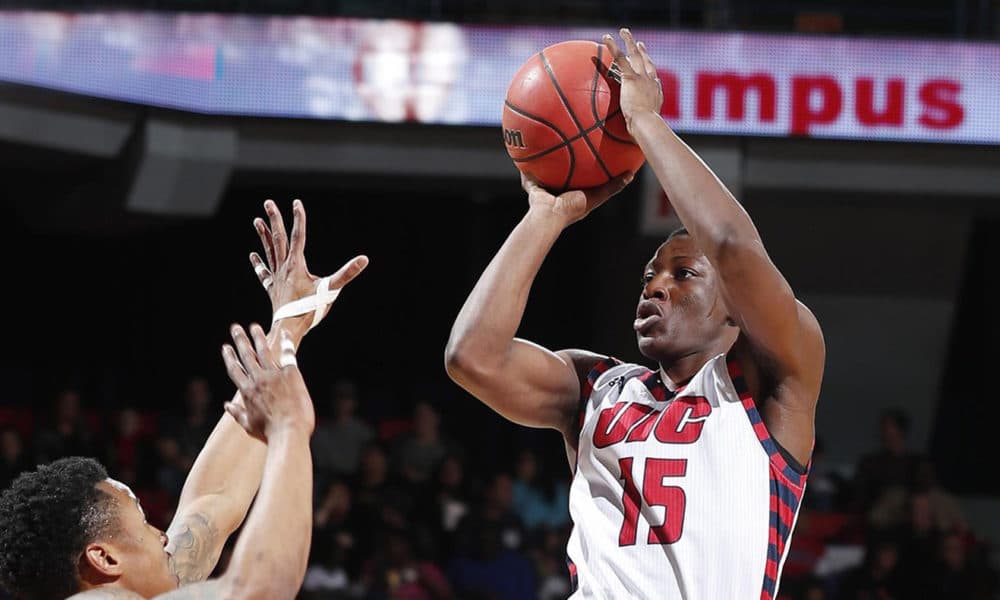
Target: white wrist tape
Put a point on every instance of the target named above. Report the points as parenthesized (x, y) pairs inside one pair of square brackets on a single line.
[(316, 303)]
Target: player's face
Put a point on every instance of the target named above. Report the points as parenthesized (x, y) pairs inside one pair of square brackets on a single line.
[(145, 560), (680, 308)]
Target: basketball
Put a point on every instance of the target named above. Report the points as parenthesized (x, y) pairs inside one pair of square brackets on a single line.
[(562, 122)]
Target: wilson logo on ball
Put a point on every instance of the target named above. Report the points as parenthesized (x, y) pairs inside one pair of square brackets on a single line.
[(513, 137)]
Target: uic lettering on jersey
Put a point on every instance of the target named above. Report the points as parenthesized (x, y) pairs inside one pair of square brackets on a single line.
[(680, 422)]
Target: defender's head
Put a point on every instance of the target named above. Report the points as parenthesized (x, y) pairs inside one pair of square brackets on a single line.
[(67, 527), (681, 310)]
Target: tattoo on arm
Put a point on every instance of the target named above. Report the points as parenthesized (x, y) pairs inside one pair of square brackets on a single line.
[(195, 546)]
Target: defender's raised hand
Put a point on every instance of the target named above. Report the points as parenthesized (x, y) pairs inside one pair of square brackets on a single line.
[(286, 276), (274, 394)]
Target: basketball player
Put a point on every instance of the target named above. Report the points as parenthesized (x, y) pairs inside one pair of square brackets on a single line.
[(687, 477), (67, 528)]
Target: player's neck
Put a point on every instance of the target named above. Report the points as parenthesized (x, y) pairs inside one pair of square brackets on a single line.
[(678, 372)]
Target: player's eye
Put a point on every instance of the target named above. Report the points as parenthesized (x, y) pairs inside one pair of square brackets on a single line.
[(646, 278), (683, 274)]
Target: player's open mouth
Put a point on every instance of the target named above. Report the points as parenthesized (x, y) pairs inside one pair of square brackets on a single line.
[(647, 314), (644, 324)]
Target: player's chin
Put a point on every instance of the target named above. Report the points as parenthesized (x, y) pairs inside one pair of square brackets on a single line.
[(648, 345)]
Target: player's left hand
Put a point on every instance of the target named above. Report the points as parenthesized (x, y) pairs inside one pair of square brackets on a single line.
[(274, 394), (641, 88), (286, 276), (573, 205)]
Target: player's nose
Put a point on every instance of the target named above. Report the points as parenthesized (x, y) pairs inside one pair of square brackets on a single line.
[(655, 291)]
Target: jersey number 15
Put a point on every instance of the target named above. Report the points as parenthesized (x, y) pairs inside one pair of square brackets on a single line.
[(654, 493)]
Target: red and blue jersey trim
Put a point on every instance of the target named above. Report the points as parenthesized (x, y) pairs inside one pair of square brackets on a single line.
[(788, 480), (588, 387)]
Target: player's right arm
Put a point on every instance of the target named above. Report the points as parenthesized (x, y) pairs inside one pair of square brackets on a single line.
[(522, 381), (269, 560)]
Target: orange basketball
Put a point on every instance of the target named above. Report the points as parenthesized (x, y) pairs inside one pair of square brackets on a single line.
[(562, 122)]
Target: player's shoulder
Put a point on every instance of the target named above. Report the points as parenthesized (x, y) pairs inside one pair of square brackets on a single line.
[(591, 367), (584, 361), (804, 367)]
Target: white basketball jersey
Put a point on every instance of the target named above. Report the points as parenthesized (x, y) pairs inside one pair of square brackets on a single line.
[(678, 494)]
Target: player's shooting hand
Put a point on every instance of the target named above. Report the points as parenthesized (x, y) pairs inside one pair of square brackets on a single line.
[(286, 276), (573, 205), (641, 88), (274, 395)]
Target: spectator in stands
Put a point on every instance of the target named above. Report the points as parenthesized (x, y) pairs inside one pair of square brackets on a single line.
[(809, 587), (486, 569), (443, 506), (338, 442), (67, 433), (945, 508), (380, 501), (130, 454), (419, 452), (181, 439), (813, 588), (173, 466), (920, 540), (125, 446), (879, 576), (892, 468), (956, 574), (894, 506), (494, 511), (199, 419), (13, 458), (395, 572), (547, 550), (540, 502), (333, 542)]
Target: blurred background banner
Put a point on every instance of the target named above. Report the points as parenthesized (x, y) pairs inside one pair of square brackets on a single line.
[(437, 72)]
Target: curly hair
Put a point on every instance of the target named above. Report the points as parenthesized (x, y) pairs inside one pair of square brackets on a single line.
[(47, 517)]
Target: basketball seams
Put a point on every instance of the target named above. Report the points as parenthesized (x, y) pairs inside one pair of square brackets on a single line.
[(572, 115), (558, 146), (593, 88)]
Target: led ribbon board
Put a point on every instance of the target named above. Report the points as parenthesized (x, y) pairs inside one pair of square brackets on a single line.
[(363, 70)]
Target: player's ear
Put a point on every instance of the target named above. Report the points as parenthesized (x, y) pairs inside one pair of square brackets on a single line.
[(100, 562)]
